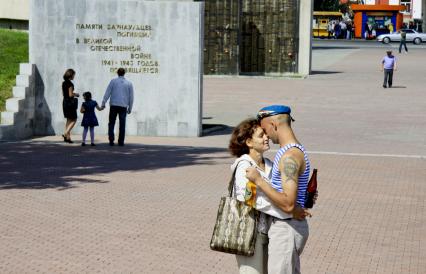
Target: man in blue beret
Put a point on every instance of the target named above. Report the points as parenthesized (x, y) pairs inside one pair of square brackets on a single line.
[(287, 190)]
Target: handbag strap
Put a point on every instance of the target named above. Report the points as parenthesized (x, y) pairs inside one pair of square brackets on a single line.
[(232, 180)]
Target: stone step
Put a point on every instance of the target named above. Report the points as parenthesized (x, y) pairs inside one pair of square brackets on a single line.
[(7, 117), (22, 80), (25, 69), (15, 104), (20, 92)]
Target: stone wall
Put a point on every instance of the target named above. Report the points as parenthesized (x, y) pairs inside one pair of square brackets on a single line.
[(158, 42)]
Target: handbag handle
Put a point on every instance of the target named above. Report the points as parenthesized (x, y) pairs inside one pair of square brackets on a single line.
[(232, 180)]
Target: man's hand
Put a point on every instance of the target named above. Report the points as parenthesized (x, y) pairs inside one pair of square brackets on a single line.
[(253, 175), (129, 111), (300, 213)]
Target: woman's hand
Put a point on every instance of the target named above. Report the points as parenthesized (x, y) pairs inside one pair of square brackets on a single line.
[(253, 175), (76, 94)]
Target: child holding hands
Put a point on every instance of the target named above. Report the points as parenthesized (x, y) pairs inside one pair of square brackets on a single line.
[(89, 117)]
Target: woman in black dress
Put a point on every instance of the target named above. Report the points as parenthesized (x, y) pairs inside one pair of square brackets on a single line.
[(69, 104)]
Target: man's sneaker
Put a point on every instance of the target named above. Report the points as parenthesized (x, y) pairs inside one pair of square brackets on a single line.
[(121, 144), (83, 144), (92, 144), (384, 86), (111, 143)]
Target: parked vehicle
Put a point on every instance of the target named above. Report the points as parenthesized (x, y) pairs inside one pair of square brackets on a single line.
[(412, 36)]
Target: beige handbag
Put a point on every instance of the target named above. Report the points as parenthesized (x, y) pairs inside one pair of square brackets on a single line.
[(236, 225)]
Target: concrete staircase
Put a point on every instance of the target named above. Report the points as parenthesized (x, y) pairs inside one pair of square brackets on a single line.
[(18, 119)]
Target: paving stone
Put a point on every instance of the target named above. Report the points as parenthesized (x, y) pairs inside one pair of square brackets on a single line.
[(150, 206)]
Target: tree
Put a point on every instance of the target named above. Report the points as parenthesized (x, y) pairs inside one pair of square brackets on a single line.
[(326, 5)]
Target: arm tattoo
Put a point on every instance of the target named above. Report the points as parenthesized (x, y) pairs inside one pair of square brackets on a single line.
[(290, 168)]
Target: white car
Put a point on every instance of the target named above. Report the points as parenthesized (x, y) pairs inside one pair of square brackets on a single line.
[(412, 36)]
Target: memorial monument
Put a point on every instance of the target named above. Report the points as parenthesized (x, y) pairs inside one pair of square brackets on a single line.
[(158, 43)]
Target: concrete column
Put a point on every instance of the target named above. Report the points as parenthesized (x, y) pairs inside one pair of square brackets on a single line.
[(423, 14), (305, 37)]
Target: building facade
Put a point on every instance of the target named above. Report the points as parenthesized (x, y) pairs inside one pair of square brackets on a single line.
[(14, 14), (242, 37), (251, 37), (413, 9), (373, 20)]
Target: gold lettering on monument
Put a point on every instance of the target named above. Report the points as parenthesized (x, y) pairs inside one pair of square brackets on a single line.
[(89, 26), (137, 60)]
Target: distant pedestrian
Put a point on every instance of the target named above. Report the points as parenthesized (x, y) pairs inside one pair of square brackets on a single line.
[(120, 96), (343, 28), (403, 41), (388, 66), (330, 29), (390, 27), (337, 31), (89, 117), (349, 31), (69, 104), (368, 31)]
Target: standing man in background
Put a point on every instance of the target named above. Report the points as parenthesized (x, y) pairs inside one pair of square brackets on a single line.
[(403, 41), (120, 95), (388, 66)]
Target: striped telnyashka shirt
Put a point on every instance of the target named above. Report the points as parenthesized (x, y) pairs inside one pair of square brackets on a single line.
[(303, 179)]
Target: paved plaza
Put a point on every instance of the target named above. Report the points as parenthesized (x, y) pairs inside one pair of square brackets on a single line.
[(150, 206)]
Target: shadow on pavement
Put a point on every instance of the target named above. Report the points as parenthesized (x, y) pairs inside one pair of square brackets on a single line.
[(399, 87), (41, 165), (216, 129), (315, 72), (333, 47)]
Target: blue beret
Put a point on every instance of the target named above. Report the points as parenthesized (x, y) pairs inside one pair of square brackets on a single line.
[(273, 110)]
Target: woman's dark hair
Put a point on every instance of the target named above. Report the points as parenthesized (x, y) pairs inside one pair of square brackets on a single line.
[(69, 74), (87, 96), (244, 131)]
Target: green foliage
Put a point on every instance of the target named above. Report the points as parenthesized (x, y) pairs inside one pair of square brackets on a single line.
[(326, 5), (13, 50)]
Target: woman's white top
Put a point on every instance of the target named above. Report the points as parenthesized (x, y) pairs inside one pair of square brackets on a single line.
[(263, 203)]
